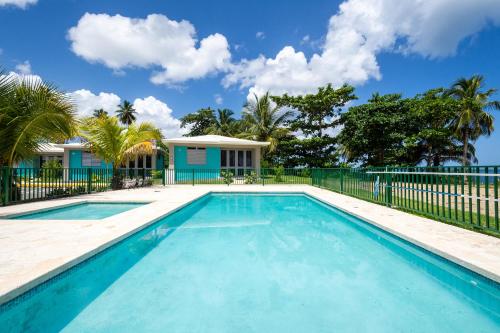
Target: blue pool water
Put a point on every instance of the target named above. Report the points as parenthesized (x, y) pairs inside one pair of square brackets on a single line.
[(260, 263), (83, 211)]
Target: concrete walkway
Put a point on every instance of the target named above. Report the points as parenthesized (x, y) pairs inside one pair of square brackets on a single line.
[(33, 251)]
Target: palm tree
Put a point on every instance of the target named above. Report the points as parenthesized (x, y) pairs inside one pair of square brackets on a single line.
[(472, 119), (264, 121), (126, 113), (114, 143), (100, 113), (224, 123), (31, 112)]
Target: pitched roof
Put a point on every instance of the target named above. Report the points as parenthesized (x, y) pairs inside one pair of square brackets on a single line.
[(216, 140)]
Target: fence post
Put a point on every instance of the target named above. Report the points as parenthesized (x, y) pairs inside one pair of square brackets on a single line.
[(388, 188), (262, 176), (341, 180), (5, 179), (89, 180), (163, 174), (192, 178)]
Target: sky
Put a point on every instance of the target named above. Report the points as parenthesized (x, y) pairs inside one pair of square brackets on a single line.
[(171, 58)]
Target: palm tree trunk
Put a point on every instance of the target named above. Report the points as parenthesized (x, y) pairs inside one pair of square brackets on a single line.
[(116, 180), (465, 160)]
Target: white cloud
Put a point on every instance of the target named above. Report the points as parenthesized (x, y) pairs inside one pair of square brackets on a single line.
[(155, 42), (260, 35), (86, 102), (18, 3), (218, 99), (305, 39), (24, 68), (358, 33), (157, 112)]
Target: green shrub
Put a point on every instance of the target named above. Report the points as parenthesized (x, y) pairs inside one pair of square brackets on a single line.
[(156, 174), (278, 173), (251, 178), (52, 169), (227, 177), (305, 173)]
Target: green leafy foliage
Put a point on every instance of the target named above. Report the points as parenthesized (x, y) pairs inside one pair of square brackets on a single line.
[(227, 177), (31, 112), (126, 113), (251, 178), (279, 172), (52, 169), (471, 119), (315, 116)]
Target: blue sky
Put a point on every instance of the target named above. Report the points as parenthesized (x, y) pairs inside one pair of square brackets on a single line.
[(193, 54)]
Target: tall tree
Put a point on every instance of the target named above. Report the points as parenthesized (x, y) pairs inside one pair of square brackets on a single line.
[(31, 112), (114, 143), (316, 117), (223, 124), (198, 122), (126, 113), (472, 119), (317, 112), (435, 141), (100, 113), (264, 121), (374, 133)]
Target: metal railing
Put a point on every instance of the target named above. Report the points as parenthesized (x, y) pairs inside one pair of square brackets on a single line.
[(31, 184), (466, 196), (237, 176)]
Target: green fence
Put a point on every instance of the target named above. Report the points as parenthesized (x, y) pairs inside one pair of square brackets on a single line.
[(237, 176), (466, 196), (30, 184)]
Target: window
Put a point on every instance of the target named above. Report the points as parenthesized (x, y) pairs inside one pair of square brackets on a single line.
[(90, 160), (223, 158), (196, 156), (140, 162), (148, 161), (248, 158), (232, 154), (240, 158), (131, 163)]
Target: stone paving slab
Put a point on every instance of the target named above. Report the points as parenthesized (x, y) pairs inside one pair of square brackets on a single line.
[(33, 251)]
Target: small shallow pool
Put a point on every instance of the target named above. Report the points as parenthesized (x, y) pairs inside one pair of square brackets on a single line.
[(260, 263), (81, 211)]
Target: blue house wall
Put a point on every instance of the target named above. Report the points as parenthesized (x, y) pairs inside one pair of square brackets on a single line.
[(184, 171), (75, 162)]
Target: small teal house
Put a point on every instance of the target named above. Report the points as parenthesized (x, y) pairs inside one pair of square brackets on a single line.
[(209, 154), (45, 153), (79, 156)]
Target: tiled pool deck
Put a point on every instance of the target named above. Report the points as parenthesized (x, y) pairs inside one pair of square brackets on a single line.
[(33, 251)]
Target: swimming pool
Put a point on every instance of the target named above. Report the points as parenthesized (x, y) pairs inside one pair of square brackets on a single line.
[(260, 263), (81, 211)]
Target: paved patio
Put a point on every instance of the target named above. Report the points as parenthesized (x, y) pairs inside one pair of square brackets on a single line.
[(33, 251)]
